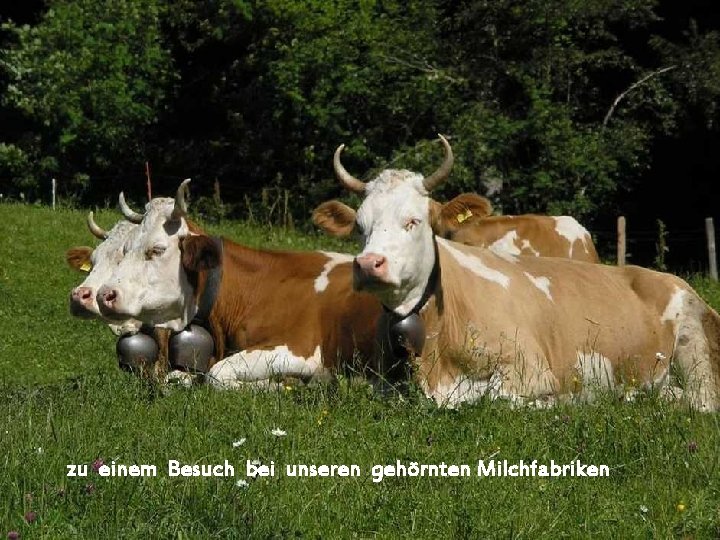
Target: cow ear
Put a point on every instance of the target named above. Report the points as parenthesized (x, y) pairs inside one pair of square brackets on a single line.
[(199, 253), (335, 218), (438, 226), (460, 211), (79, 258)]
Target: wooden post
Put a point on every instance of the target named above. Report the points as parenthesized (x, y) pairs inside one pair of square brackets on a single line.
[(621, 241), (149, 185), (710, 231), (54, 191)]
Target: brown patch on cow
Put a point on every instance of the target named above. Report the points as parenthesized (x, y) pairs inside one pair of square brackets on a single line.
[(78, 258), (335, 218), (458, 212), (539, 231), (267, 298), (199, 253)]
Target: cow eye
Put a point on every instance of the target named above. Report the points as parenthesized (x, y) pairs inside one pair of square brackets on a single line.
[(411, 223), (154, 252)]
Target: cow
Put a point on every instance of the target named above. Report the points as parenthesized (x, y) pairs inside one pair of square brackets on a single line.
[(530, 329), (467, 219), (98, 263), (275, 314)]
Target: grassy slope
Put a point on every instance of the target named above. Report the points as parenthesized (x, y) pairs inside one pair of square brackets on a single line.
[(60, 391)]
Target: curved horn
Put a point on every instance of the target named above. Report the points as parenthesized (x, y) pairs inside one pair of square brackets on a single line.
[(97, 231), (440, 175), (347, 179), (180, 208), (131, 215)]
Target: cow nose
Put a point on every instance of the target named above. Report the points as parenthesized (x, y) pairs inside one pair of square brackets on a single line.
[(107, 296), (82, 295), (372, 265)]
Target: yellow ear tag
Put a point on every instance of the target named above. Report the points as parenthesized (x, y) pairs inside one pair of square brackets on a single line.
[(465, 215), (86, 266)]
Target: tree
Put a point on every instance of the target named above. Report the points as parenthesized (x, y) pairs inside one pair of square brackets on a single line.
[(86, 81)]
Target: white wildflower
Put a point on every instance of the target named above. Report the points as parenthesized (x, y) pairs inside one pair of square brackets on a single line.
[(239, 442), (278, 432)]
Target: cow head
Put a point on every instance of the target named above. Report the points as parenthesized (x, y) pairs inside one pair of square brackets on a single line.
[(397, 220), (154, 281), (99, 264)]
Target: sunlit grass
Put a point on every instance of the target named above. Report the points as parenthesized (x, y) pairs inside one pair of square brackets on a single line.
[(63, 401)]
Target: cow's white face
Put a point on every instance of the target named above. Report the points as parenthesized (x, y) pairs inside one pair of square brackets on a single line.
[(100, 263), (399, 253), (149, 283)]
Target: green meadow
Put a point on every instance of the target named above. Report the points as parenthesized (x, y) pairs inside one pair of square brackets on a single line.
[(63, 401)]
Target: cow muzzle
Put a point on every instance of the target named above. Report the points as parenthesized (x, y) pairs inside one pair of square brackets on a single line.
[(82, 303), (108, 300), (369, 269)]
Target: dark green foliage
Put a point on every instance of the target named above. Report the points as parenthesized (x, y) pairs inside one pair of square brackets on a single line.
[(87, 80), (550, 106)]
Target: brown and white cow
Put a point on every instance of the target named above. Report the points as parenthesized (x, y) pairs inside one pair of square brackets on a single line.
[(466, 219), (276, 313), (525, 327)]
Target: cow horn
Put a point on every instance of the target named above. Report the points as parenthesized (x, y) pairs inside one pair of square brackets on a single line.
[(347, 179), (131, 215), (97, 231), (180, 208), (440, 175)]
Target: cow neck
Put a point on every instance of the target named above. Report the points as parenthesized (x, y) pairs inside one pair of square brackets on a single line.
[(406, 333), (207, 297), (427, 292)]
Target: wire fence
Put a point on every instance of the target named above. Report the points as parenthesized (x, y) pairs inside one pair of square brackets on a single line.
[(690, 249)]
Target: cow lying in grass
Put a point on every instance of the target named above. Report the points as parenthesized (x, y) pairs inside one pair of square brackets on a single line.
[(276, 314), (522, 327)]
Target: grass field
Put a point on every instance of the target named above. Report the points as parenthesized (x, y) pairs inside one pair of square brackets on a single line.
[(63, 401)]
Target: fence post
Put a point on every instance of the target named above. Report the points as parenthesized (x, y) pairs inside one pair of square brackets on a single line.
[(621, 241), (710, 231), (54, 190), (149, 183)]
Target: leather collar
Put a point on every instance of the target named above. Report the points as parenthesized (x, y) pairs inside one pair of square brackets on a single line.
[(212, 286)]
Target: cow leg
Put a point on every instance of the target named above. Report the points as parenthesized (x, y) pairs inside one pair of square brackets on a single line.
[(526, 376), (261, 366), (180, 378), (696, 353)]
